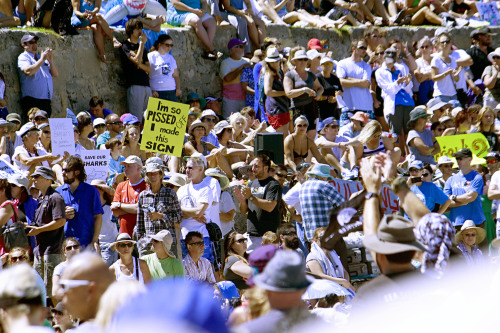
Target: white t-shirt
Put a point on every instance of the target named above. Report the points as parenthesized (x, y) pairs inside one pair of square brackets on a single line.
[(495, 181), (22, 150), (229, 64), (336, 151), (457, 55), (356, 98), (108, 229), (291, 197), (162, 69), (190, 196), (226, 205), (445, 86), (2, 89), (214, 207)]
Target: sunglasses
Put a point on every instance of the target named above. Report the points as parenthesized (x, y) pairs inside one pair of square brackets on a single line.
[(379, 53), (361, 48), (425, 47), (31, 42), (445, 42), (459, 158), (301, 125), (100, 125), (426, 174), (208, 120), (491, 161), (72, 247), (46, 132), (202, 243), (66, 285), (16, 259), (496, 57), (281, 175), (124, 245), (241, 240), (470, 235)]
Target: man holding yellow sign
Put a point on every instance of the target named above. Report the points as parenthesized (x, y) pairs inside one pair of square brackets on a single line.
[(164, 127)]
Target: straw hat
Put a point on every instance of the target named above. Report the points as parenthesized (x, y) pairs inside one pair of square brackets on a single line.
[(219, 174), (122, 238), (197, 123), (468, 225), (176, 179)]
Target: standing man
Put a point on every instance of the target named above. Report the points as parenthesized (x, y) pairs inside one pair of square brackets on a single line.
[(481, 47), (260, 200), (159, 210), (84, 281), (114, 126), (83, 204), (36, 72), (47, 225), (355, 76), (233, 95), (136, 67), (317, 198), (196, 199), (465, 189), (124, 204)]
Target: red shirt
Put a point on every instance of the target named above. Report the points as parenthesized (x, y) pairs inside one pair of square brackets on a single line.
[(128, 194)]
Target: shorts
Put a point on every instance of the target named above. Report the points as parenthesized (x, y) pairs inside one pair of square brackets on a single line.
[(193, 16), (278, 120), (44, 265), (310, 111), (399, 120)]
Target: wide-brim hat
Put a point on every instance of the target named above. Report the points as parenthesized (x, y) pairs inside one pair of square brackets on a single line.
[(273, 55), (122, 238), (469, 224), (300, 54), (394, 235), (285, 272), (221, 125), (197, 123), (165, 237), (101, 184), (464, 152), (9, 125), (494, 53), (435, 104), (444, 160), (417, 113), (320, 170), (44, 172), (19, 181), (11, 117), (176, 179), (215, 172), (257, 56)]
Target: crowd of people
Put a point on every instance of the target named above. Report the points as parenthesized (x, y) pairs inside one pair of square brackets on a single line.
[(160, 224)]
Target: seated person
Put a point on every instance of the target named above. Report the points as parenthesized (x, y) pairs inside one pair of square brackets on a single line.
[(236, 267), (235, 155), (143, 10), (96, 108), (196, 267), (162, 263), (7, 17)]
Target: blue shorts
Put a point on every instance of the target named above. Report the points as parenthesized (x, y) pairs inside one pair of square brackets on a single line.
[(22, 16)]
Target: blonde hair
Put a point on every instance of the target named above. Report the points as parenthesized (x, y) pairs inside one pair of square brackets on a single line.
[(480, 116), (116, 296), (368, 132), (270, 237), (235, 116), (258, 304)]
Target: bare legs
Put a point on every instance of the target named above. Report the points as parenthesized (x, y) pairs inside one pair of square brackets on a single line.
[(100, 28), (205, 31), (426, 14)]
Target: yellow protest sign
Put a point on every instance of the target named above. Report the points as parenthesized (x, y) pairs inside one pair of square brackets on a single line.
[(164, 127), (476, 142)]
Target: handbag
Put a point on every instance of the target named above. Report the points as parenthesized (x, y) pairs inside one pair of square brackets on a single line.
[(14, 235)]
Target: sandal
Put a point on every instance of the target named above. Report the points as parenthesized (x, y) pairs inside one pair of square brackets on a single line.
[(209, 56)]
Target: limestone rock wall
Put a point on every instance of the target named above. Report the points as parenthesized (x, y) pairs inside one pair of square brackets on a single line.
[(82, 76)]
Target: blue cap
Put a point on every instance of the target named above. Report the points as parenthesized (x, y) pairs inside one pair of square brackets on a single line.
[(325, 123), (130, 120), (416, 164), (172, 300)]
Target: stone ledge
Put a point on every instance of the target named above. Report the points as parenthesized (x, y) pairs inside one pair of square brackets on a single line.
[(82, 76)]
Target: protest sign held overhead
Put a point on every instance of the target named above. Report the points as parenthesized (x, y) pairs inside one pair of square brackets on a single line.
[(164, 127), (62, 136), (476, 142), (96, 164)]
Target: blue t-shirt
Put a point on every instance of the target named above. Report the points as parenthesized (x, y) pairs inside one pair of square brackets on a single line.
[(114, 165), (427, 138), (87, 202), (106, 112), (402, 97), (430, 194), (459, 184), (211, 138)]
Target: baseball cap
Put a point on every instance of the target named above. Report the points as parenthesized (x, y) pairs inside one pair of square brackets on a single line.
[(45, 172), (26, 38), (12, 117), (153, 167), (208, 112), (234, 42), (464, 152), (130, 120), (43, 125), (28, 127), (360, 116), (41, 113), (98, 121), (314, 44), (416, 164), (481, 31), (198, 155), (493, 155), (132, 159), (221, 125)]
